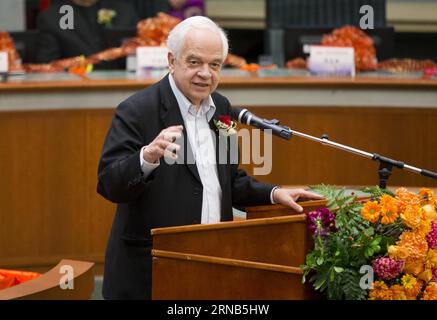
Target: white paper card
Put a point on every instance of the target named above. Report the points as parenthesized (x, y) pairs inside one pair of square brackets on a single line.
[(338, 61), (4, 65), (152, 57)]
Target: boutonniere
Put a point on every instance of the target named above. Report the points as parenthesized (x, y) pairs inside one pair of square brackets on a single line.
[(225, 125), (105, 16)]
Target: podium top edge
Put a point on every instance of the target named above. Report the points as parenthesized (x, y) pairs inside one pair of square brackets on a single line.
[(299, 218)]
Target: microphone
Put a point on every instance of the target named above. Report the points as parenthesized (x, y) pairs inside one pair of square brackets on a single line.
[(244, 116)]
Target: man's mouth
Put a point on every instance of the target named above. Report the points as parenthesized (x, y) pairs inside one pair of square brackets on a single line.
[(199, 84)]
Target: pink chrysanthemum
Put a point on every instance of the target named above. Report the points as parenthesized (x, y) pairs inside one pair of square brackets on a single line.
[(431, 237), (387, 268)]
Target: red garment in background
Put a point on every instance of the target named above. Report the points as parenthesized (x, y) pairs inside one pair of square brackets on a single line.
[(10, 278), (43, 4)]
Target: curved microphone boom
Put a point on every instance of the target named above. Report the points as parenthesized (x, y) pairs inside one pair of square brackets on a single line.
[(246, 117), (386, 164)]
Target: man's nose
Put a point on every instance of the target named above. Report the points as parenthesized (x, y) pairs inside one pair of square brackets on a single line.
[(204, 72)]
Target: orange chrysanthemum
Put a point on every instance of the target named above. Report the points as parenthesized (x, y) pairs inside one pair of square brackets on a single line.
[(371, 211), (406, 198), (380, 291), (414, 266), (424, 227), (416, 245), (398, 252), (397, 292), (413, 216), (430, 211), (431, 259), (427, 196), (430, 292), (389, 209), (426, 275), (414, 291)]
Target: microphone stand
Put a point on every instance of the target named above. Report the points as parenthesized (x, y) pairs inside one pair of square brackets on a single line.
[(385, 164)]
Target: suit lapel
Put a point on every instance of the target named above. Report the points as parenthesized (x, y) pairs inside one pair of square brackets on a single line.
[(221, 153), (171, 116)]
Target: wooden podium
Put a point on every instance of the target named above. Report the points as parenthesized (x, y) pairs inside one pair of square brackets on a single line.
[(252, 259)]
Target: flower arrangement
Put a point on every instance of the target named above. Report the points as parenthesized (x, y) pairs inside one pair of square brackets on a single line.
[(225, 125), (105, 16), (383, 249), (81, 68)]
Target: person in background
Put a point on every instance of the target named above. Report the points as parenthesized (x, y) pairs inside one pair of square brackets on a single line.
[(183, 9), (88, 34)]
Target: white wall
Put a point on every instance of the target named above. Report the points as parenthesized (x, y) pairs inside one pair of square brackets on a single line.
[(12, 17)]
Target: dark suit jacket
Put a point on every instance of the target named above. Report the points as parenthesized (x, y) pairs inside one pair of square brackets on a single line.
[(87, 37), (170, 196)]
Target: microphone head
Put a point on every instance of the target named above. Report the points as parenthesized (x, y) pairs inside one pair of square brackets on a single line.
[(235, 113)]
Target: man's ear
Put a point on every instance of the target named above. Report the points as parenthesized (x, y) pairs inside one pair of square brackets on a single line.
[(171, 61)]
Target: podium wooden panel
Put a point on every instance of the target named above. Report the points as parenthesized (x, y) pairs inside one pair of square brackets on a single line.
[(278, 210), (250, 259)]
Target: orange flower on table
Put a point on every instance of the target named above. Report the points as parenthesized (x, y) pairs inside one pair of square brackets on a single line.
[(397, 292), (416, 218), (430, 211), (406, 198), (431, 259), (427, 196), (371, 211), (416, 245), (426, 275), (81, 67), (251, 67), (414, 266), (412, 286), (430, 292), (389, 209), (413, 291), (398, 252), (380, 291), (413, 216), (425, 227)]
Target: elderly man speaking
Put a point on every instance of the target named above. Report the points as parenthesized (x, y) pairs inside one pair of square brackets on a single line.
[(151, 192)]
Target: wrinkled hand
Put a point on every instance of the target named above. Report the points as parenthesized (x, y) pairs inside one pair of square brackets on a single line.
[(288, 197), (163, 145)]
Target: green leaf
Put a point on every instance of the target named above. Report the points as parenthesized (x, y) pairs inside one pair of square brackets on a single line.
[(320, 261), (369, 231), (319, 283), (338, 269), (331, 276)]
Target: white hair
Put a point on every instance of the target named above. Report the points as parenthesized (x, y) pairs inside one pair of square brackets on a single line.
[(176, 37)]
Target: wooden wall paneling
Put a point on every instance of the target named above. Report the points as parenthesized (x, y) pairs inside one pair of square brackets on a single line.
[(20, 183), (101, 211), (65, 212)]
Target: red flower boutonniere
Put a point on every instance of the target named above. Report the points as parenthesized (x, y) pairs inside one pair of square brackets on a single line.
[(225, 125)]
